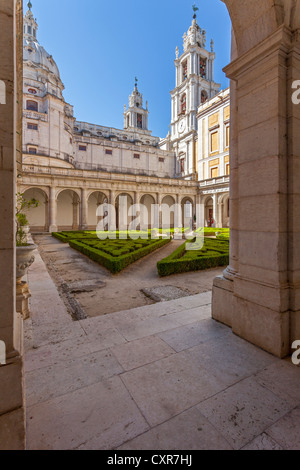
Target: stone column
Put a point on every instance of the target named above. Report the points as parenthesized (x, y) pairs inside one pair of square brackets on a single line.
[(260, 304), (159, 198), (12, 403), (215, 209), (75, 213), (84, 210), (220, 214), (137, 197), (52, 210)]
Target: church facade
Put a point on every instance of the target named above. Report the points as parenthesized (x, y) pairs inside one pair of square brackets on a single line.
[(72, 167)]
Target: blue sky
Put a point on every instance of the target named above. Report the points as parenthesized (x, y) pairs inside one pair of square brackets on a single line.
[(100, 46)]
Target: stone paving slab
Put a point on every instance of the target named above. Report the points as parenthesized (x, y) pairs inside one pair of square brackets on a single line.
[(263, 442), (164, 293), (163, 376), (189, 430), (242, 412), (100, 416)]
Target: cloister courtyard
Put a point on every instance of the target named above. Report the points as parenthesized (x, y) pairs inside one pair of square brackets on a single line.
[(152, 342)]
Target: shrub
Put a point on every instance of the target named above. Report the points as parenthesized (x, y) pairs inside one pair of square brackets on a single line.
[(114, 255), (214, 253)]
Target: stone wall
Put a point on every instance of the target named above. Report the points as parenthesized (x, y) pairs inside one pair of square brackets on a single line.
[(12, 422)]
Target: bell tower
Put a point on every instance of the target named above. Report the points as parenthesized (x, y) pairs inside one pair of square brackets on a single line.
[(194, 85), (30, 24), (136, 117)]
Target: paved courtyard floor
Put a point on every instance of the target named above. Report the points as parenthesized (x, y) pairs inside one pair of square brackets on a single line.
[(161, 376)]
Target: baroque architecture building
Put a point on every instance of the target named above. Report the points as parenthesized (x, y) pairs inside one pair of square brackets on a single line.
[(258, 295), (72, 167)]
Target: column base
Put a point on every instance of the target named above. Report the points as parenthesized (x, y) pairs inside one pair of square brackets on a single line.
[(22, 300), (266, 328), (53, 228), (222, 306), (12, 415)]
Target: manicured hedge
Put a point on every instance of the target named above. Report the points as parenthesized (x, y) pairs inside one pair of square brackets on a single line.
[(214, 253), (112, 255), (89, 234)]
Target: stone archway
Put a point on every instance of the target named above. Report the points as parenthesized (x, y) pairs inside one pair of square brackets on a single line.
[(38, 217), (147, 214), (95, 199), (68, 210), (187, 212), (168, 212), (208, 211), (123, 203)]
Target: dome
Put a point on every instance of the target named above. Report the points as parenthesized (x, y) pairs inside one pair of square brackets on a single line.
[(32, 50)]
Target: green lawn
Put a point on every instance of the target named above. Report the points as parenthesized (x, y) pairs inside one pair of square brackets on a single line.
[(214, 253)]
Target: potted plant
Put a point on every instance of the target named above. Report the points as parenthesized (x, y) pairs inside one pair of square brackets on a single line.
[(24, 250)]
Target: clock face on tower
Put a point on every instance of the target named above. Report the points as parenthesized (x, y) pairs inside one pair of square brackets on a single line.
[(182, 124)]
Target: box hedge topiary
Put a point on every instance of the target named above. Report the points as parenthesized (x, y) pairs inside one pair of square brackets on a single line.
[(214, 253), (112, 256)]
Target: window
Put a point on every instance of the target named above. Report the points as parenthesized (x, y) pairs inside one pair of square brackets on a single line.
[(33, 127), (136, 155), (214, 173), (228, 169), (227, 136), (184, 71), (203, 96), (214, 141), (139, 121), (182, 165), (32, 105), (202, 67), (32, 150), (34, 33), (183, 104), (82, 148), (161, 160), (29, 29), (108, 152)]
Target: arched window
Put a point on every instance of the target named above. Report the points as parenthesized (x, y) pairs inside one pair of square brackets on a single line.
[(183, 104), (184, 71), (32, 105), (203, 96)]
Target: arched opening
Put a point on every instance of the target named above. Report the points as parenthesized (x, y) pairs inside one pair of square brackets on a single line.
[(94, 201), (68, 210), (37, 216), (183, 104), (167, 212), (147, 212), (32, 105), (123, 202), (209, 212), (187, 212), (204, 96), (224, 211)]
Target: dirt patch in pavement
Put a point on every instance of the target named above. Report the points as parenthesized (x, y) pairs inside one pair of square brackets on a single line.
[(98, 292)]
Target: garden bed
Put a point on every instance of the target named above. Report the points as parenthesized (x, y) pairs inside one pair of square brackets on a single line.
[(214, 253), (115, 255)]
